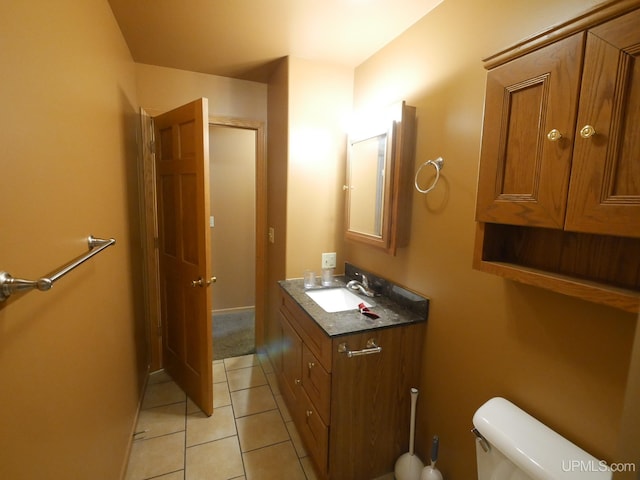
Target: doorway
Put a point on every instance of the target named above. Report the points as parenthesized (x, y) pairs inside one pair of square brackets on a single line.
[(148, 214), (232, 168)]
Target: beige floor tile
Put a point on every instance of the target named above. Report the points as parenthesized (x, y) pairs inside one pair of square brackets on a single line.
[(284, 410), (219, 373), (273, 383), (246, 378), (309, 469), (252, 400), (260, 430), (156, 456), (276, 462), (157, 421), (219, 460), (171, 476), (296, 440), (159, 376), (243, 361), (221, 395), (265, 362), (162, 394), (202, 429)]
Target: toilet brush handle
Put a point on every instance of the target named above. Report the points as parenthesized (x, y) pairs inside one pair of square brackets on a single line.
[(434, 449)]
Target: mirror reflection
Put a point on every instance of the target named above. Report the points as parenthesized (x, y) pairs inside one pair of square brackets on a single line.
[(366, 183)]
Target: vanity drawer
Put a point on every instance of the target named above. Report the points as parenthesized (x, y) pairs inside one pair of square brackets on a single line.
[(317, 383), (312, 335)]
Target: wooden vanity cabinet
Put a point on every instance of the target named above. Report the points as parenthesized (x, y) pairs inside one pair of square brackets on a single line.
[(558, 200), (351, 413)]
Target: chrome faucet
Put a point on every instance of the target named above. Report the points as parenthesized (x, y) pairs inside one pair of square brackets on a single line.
[(362, 287)]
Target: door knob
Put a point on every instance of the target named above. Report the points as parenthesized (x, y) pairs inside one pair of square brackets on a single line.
[(201, 283)]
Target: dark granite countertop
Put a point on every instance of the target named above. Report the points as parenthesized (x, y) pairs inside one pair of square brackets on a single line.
[(404, 308)]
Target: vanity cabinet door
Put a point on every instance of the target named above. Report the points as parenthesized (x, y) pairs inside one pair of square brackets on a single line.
[(604, 195), (291, 362), (530, 113)]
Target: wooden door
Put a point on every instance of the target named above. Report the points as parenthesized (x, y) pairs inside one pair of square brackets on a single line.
[(182, 183), (604, 194), (524, 167)]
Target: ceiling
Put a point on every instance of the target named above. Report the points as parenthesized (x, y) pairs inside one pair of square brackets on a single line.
[(245, 38)]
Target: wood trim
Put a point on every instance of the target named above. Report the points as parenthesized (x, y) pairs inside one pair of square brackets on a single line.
[(602, 293), (149, 246), (595, 16)]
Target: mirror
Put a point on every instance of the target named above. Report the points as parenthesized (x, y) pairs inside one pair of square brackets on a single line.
[(378, 190), (367, 190)]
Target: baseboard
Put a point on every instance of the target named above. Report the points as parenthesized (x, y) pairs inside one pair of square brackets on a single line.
[(233, 310)]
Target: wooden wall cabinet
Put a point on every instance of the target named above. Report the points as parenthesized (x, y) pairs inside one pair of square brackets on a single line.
[(349, 412), (558, 200)]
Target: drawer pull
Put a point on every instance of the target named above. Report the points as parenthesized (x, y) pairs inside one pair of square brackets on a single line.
[(372, 347), (297, 381), (311, 365), (309, 413)]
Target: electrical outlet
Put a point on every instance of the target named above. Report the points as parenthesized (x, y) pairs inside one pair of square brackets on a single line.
[(329, 260)]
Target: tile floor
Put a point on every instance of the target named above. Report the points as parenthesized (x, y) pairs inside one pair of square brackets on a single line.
[(250, 435)]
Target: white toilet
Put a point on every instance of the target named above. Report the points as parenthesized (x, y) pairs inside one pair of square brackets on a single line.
[(512, 445)]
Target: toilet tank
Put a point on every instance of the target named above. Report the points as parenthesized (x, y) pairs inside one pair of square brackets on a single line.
[(512, 445)]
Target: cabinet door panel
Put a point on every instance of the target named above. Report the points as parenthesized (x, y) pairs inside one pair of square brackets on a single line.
[(604, 194), (524, 175), (291, 361)]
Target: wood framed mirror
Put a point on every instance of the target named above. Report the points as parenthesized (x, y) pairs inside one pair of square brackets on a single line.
[(379, 172)]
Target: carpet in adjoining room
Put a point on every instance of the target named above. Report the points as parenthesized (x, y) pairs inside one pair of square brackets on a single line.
[(233, 334)]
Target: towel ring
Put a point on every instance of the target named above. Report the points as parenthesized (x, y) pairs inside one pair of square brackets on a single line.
[(438, 163)]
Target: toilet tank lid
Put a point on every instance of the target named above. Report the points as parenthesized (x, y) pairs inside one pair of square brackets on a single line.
[(536, 449)]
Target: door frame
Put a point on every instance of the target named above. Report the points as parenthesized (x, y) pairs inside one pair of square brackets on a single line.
[(150, 231)]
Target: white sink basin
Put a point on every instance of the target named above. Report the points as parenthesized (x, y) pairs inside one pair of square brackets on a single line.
[(336, 299)]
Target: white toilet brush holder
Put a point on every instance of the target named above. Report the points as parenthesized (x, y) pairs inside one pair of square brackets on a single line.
[(408, 465), (430, 472)]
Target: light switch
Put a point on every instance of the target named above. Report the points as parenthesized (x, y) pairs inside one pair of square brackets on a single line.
[(272, 235), (211, 222)]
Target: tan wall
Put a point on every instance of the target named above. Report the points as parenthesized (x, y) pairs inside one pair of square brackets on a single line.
[(73, 359), (320, 97), (563, 360), (161, 89), (233, 241)]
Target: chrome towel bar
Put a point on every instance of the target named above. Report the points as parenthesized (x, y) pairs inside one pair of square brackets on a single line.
[(372, 347), (10, 285)]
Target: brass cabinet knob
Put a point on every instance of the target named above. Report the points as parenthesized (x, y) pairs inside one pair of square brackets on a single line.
[(554, 135), (309, 413), (587, 131), (297, 381), (212, 280), (311, 365)]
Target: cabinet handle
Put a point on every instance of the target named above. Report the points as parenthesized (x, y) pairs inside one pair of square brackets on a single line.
[(297, 381), (554, 135), (311, 365), (587, 131), (309, 413), (372, 347)]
